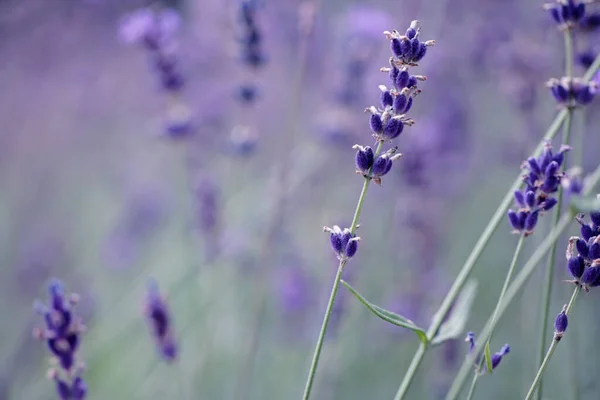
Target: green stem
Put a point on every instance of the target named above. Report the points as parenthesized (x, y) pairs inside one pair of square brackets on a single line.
[(538, 377), (509, 274), (517, 284), (336, 285), (466, 269), (473, 385), (551, 259)]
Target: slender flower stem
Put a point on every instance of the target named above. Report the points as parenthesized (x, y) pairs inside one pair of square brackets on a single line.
[(466, 269), (509, 274), (538, 378), (517, 284), (551, 259), (336, 285)]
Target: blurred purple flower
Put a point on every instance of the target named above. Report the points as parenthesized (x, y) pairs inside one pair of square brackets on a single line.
[(159, 319)]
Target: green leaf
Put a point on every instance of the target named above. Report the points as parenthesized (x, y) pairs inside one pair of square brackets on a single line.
[(455, 324), (585, 204), (488, 357), (389, 316)]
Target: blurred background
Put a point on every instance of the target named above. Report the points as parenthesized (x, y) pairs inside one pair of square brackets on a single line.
[(215, 171)]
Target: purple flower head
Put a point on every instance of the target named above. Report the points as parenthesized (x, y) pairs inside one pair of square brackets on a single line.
[(560, 324), (159, 319), (566, 14), (62, 334), (586, 58), (572, 183), (497, 357), (572, 92), (343, 242), (407, 49), (156, 30), (250, 37)]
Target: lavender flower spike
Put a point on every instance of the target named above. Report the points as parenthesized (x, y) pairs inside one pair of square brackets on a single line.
[(62, 334), (159, 319)]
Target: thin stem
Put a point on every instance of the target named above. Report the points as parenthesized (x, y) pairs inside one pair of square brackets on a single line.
[(551, 259), (509, 274), (538, 377), (473, 385), (466, 269), (336, 285), (517, 284)]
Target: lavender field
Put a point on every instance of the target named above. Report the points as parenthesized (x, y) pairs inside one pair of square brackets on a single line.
[(167, 169)]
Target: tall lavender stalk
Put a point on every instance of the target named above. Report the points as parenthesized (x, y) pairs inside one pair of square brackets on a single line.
[(387, 123), (466, 269)]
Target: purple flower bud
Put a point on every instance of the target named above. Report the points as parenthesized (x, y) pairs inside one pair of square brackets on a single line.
[(335, 240), (534, 166), (531, 221), (582, 248), (590, 276), (405, 48), (595, 217), (408, 105), (560, 323), (549, 203), (397, 47), (497, 357), (159, 320), (415, 45), (552, 169), (578, 12), (412, 82), (63, 389), (590, 22), (586, 232), (364, 159), (402, 79), (585, 95), (420, 53), (382, 165), (530, 199), (79, 389), (560, 93), (576, 266), (594, 253), (411, 33), (514, 220), (519, 199), (394, 73), (400, 103), (386, 99), (351, 248), (393, 129), (554, 12), (376, 123), (551, 183)]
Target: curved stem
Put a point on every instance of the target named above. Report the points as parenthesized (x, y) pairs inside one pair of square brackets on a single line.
[(551, 259), (538, 377), (518, 283), (336, 285), (509, 274)]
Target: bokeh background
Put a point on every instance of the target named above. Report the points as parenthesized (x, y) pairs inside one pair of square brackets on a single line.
[(227, 214)]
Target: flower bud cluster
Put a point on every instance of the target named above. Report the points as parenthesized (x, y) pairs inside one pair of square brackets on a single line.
[(584, 265), (572, 92), (62, 334), (542, 181), (560, 324), (566, 13), (343, 242), (159, 320)]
